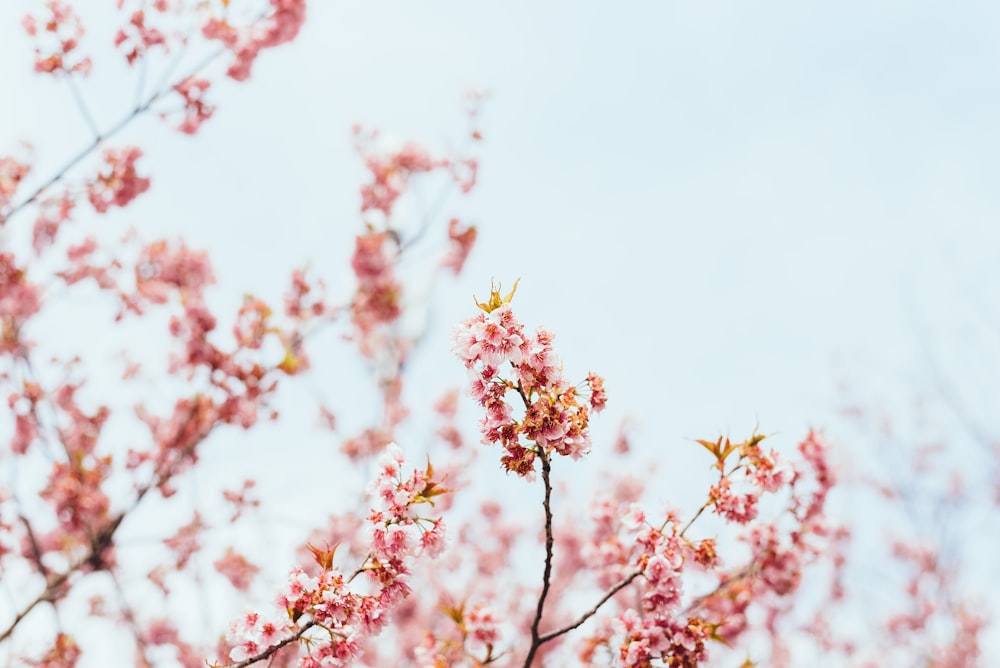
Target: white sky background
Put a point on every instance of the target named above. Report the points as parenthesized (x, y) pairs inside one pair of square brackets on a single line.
[(722, 207)]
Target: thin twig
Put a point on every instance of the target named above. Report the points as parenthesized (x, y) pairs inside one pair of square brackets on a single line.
[(696, 516), (429, 215), (88, 118), (593, 611)]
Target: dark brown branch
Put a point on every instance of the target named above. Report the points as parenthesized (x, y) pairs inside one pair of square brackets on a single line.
[(536, 640)]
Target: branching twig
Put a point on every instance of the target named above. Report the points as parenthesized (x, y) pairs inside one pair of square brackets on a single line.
[(100, 137), (100, 542)]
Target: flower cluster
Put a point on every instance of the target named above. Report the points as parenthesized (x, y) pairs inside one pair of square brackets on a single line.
[(279, 26), (660, 562), (121, 183), (391, 172), (19, 300), (237, 569), (52, 213), (136, 37), (196, 110), (761, 471), (164, 269), (12, 173), (397, 534), (556, 417), (472, 641), (462, 238), (63, 29), (680, 643), (378, 297)]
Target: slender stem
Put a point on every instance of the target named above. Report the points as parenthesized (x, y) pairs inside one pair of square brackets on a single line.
[(696, 516), (536, 639), (21, 615), (88, 118), (360, 569)]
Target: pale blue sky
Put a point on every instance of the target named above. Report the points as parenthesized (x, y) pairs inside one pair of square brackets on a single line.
[(720, 206)]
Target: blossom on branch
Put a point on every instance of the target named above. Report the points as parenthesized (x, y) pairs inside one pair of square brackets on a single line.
[(554, 418), (397, 535), (121, 183), (57, 36)]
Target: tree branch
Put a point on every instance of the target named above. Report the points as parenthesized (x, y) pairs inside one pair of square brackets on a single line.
[(100, 138), (103, 539), (536, 640)]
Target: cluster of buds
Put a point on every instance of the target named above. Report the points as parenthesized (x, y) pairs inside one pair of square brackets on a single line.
[(556, 414)]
